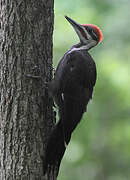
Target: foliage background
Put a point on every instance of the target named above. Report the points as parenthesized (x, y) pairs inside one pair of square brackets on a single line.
[(100, 146)]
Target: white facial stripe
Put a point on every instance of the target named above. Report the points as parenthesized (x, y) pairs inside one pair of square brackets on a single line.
[(82, 38), (94, 34), (88, 35), (87, 46), (80, 35), (88, 42)]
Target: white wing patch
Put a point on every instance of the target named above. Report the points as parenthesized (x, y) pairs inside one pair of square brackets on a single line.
[(62, 95)]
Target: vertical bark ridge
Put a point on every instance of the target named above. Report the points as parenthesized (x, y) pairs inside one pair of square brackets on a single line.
[(26, 111)]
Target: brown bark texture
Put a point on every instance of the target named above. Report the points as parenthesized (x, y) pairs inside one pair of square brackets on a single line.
[(26, 113)]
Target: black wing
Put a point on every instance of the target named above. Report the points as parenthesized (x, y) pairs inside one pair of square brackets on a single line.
[(72, 89), (75, 73)]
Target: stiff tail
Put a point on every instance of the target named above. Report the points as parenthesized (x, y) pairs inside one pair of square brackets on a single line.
[(55, 148), (60, 137)]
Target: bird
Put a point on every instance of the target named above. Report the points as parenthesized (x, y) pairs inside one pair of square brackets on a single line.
[(72, 88)]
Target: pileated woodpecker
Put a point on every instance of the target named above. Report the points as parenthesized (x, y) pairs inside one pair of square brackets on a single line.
[(72, 88)]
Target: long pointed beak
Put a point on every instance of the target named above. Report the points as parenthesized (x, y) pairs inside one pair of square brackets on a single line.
[(74, 23), (77, 27)]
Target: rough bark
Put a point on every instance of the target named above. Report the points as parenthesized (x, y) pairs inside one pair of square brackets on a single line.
[(26, 113)]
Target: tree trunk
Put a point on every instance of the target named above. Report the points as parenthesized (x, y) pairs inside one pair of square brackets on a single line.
[(26, 113)]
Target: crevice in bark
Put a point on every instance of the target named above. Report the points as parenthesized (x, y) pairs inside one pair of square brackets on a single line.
[(26, 111)]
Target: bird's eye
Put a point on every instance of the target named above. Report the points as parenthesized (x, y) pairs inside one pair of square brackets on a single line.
[(89, 29)]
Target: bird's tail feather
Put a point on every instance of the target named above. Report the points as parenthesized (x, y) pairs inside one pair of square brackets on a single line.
[(61, 134), (55, 147)]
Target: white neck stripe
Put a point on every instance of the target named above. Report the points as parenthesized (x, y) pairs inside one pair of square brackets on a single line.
[(84, 47)]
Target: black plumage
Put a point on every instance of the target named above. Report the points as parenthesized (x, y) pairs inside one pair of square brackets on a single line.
[(71, 88)]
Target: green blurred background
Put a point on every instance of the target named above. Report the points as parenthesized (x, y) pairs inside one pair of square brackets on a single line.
[(100, 146)]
